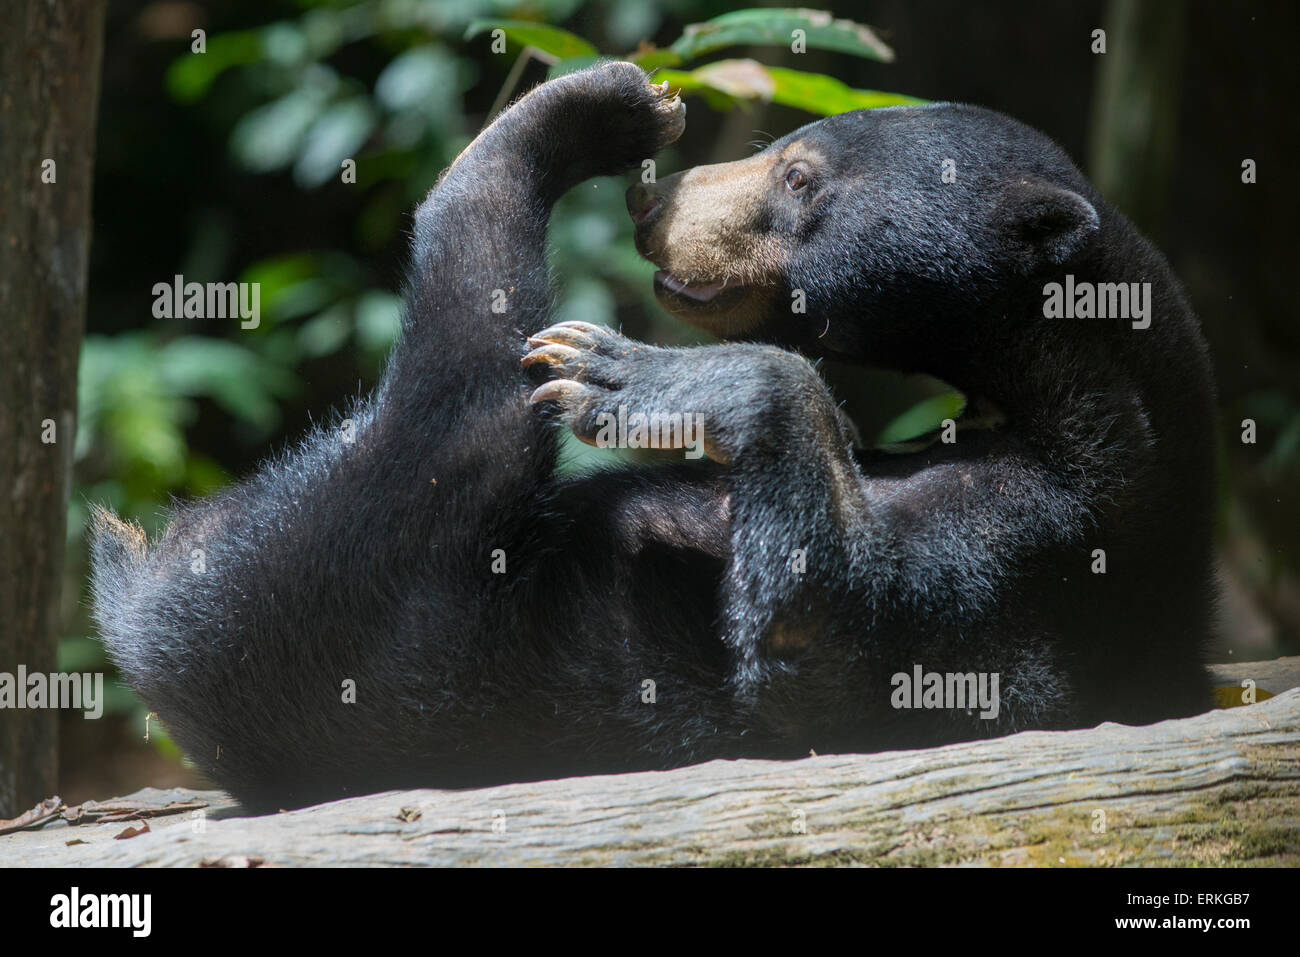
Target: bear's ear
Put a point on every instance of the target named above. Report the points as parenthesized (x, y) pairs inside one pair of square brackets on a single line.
[(1042, 223)]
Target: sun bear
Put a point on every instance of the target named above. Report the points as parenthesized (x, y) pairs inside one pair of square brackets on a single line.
[(413, 598)]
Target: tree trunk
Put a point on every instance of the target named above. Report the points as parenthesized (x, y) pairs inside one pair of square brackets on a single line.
[(49, 92)]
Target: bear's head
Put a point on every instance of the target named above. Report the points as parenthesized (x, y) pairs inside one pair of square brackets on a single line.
[(868, 233)]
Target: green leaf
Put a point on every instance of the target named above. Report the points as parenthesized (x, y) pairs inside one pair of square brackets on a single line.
[(654, 58), (742, 79), (922, 418), (338, 133), (270, 137), (422, 77), (725, 81), (284, 44), (682, 81), (325, 333), (826, 96), (378, 320), (235, 378), (630, 21), (776, 28), (548, 39), (190, 77), (277, 275), (126, 407), (571, 64), (304, 298)]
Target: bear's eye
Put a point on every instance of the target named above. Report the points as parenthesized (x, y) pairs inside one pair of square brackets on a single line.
[(795, 180)]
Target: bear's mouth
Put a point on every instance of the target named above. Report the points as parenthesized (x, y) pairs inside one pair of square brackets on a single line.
[(674, 292)]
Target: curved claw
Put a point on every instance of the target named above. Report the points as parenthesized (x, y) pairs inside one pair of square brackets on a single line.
[(582, 335), (550, 354), (557, 390)]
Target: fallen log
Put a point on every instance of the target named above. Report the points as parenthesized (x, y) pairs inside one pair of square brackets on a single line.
[(1222, 788)]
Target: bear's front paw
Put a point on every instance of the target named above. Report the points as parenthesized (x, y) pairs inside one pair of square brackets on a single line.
[(614, 392), (668, 115), (618, 118)]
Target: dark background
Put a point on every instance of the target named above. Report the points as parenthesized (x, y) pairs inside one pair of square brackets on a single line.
[(223, 182)]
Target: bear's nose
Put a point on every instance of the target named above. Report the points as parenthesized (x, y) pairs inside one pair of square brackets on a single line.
[(642, 203)]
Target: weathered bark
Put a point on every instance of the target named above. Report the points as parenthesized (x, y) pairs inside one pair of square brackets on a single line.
[(49, 91), (1221, 788)]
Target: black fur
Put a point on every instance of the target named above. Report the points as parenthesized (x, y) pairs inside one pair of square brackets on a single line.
[(367, 552)]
